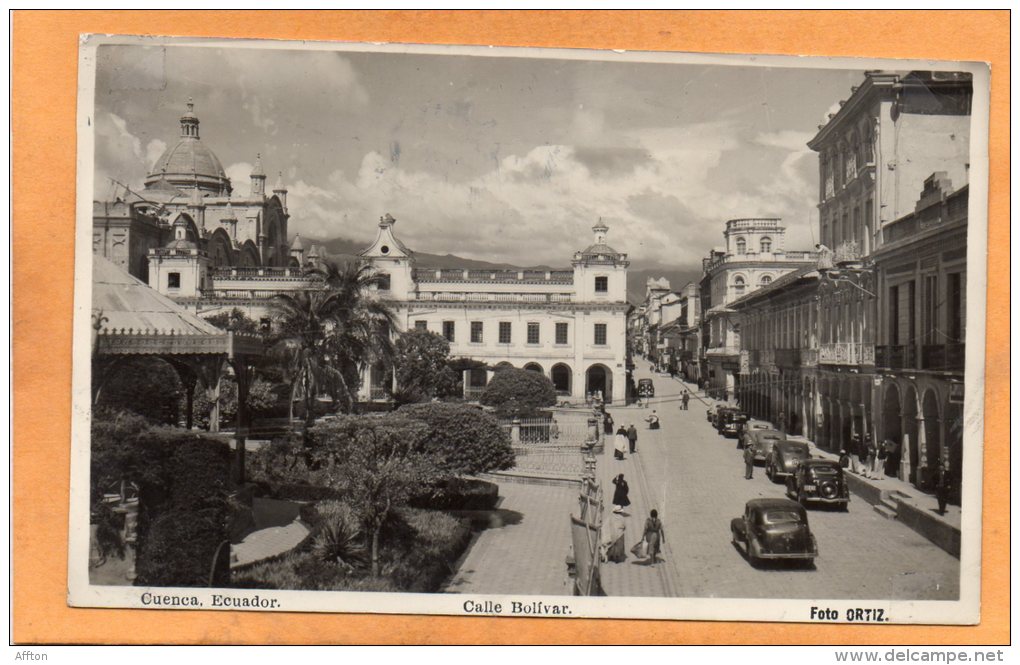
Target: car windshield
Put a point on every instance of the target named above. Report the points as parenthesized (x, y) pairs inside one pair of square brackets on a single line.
[(781, 516), (824, 471), (801, 451)]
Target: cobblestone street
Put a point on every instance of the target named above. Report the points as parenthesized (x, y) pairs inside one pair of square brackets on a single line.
[(698, 477)]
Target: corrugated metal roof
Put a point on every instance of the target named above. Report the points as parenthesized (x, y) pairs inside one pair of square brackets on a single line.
[(129, 304)]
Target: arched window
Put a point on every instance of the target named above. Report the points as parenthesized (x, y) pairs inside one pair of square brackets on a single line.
[(741, 246), (765, 280), (766, 245), (738, 286)]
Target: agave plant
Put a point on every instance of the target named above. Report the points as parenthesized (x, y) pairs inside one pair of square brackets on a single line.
[(340, 539)]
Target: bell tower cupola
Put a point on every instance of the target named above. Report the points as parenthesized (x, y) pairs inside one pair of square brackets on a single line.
[(258, 178)]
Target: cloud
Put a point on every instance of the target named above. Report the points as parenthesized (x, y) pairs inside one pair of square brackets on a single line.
[(117, 145), (786, 139), (240, 178), (538, 207), (153, 151)]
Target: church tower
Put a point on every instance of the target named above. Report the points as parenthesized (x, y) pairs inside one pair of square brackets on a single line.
[(600, 272), (391, 259), (258, 178)]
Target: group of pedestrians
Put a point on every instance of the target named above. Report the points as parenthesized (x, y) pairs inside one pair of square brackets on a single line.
[(625, 441), (615, 529)]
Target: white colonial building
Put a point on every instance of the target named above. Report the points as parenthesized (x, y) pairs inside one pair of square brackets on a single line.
[(568, 324)]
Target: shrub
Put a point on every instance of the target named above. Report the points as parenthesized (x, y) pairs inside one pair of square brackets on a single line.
[(263, 400), (419, 551), (460, 494), (183, 482), (421, 367), (148, 387), (518, 392), (180, 548), (465, 439)]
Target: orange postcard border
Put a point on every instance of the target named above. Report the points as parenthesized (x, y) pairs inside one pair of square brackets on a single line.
[(43, 110)]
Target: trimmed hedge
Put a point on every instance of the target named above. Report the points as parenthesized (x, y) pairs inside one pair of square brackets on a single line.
[(466, 439), (460, 494)]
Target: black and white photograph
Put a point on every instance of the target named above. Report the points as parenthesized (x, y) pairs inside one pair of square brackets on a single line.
[(528, 332)]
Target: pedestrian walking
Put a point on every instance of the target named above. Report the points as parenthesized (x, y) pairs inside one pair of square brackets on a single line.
[(653, 420), (748, 462), (844, 459), (782, 422), (554, 430), (685, 399), (891, 450), (654, 537), (632, 438), (942, 482), (621, 498), (607, 423), (620, 443), (873, 453), (613, 546)]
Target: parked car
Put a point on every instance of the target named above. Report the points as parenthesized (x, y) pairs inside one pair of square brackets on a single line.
[(774, 529), (762, 440), (645, 388), (748, 426), (784, 457), (729, 420), (819, 481)]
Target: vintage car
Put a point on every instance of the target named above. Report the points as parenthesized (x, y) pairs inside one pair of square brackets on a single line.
[(727, 419), (645, 388), (819, 481), (749, 426), (761, 441), (784, 457), (774, 529)]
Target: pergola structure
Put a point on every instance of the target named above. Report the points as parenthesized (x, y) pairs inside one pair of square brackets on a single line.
[(129, 319)]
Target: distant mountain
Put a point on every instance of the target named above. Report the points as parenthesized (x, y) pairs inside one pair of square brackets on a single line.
[(637, 275)]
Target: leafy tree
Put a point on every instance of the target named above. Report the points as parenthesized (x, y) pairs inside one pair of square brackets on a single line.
[(148, 387), (422, 370), (328, 333), (465, 439), (235, 321), (378, 462), (518, 392), (261, 397)]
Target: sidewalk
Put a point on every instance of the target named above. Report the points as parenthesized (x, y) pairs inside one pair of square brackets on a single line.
[(891, 497), (632, 577)]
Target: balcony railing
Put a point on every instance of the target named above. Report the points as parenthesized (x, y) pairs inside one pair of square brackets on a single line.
[(493, 276), (939, 357), (449, 296), (846, 353)]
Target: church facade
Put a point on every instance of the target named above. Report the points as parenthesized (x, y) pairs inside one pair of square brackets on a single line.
[(189, 237), (188, 188)]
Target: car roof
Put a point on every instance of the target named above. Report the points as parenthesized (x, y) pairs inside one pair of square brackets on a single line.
[(820, 462), (766, 433), (644, 380), (787, 443), (774, 504)]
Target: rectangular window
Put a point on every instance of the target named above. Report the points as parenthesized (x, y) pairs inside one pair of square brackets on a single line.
[(448, 330), (894, 316), (561, 333), (600, 334), (533, 333), (173, 280), (421, 325), (476, 332), (601, 284), (504, 332)]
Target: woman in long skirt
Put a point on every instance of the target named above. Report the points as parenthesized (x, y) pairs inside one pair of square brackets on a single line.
[(620, 495), (620, 443), (653, 536)]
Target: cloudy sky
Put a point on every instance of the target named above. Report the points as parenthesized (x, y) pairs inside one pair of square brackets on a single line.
[(504, 159)]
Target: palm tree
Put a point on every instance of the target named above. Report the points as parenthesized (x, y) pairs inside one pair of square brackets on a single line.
[(328, 332)]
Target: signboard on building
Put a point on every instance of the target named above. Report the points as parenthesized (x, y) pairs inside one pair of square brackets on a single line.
[(745, 362), (956, 393)]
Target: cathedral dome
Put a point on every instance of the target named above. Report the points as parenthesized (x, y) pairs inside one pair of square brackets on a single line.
[(189, 163)]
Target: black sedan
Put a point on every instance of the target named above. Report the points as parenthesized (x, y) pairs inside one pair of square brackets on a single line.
[(774, 530), (783, 459), (819, 481)]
